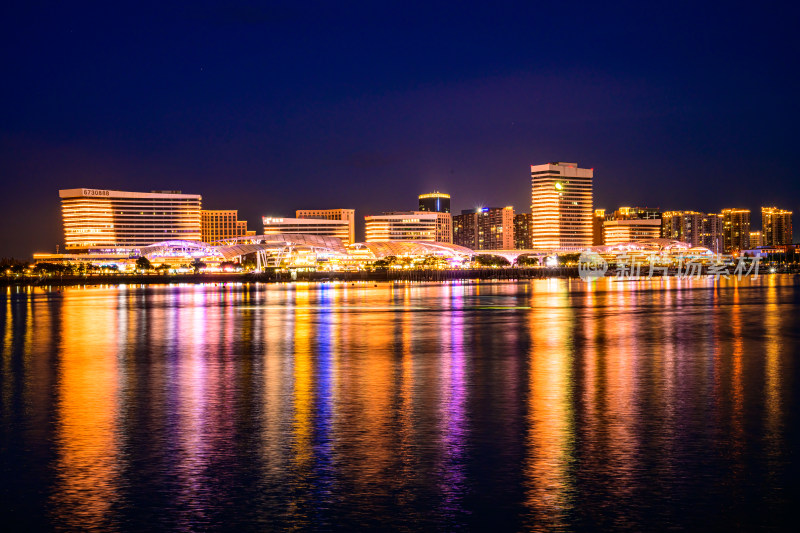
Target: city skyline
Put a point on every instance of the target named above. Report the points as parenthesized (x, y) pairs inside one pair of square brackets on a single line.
[(273, 108)]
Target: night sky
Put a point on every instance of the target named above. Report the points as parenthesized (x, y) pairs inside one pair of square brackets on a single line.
[(268, 109)]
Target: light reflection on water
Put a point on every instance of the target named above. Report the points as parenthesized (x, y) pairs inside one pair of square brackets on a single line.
[(542, 405)]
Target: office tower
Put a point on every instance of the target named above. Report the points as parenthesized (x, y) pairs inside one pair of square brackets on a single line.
[(435, 202), (756, 239), (561, 205), (776, 226), (308, 226), (630, 230), (523, 224), (711, 237), (221, 224), (101, 218), (486, 228), (597, 227), (333, 214), (401, 226), (735, 230), (684, 226)]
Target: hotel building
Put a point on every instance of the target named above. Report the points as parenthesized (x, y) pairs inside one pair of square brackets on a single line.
[(401, 226), (561, 206), (102, 219), (487, 228), (684, 226), (630, 230), (523, 231), (735, 230), (221, 224), (776, 225), (307, 226), (435, 202), (348, 215)]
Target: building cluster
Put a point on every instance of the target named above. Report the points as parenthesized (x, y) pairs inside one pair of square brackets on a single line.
[(562, 219)]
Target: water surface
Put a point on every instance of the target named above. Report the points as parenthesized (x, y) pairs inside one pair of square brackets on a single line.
[(549, 404)]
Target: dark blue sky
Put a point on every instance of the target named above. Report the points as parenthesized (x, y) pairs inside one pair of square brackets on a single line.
[(268, 109)]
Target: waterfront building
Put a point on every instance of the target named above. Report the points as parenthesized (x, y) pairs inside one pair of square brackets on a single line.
[(776, 225), (711, 236), (597, 227), (523, 231), (619, 231), (435, 202), (756, 239), (221, 224), (401, 226), (104, 219), (307, 226), (735, 230), (561, 206), (684, 226), (486, 228), (333, 214)]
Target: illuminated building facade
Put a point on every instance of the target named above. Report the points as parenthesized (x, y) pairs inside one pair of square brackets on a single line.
[(435, 202), (333, 214), (561, 206), (711, 236), (630, 230), (401, 226), (735, 230), (684, 226), (523, 231), (597, 227), (221, 224), (641, 213), (486, 228), (776, 225), (307, 226), (101, 218), (756, 239)]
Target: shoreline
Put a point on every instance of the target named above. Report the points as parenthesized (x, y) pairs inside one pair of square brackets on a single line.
[(283, 277)]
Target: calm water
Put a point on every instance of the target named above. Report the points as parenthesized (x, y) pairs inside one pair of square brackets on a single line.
[(542, 405)]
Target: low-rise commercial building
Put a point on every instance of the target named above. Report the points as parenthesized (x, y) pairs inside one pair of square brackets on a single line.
[(401, 226), (307, 226), (348, 215)]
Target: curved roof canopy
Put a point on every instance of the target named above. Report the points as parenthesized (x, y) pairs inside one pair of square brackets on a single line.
[(255, 243), (653, 245), (387, 248), (179, 248)]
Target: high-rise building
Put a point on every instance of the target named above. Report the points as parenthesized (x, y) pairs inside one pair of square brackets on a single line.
[(561, 205), (735, 230), (684, 226), (401, 226), (333, 214), (435, 202), (756, 239), (523, 225), (597, 227), (307, 226), (101, 218), (221, 224), (711, 236), (486, 228), (776, 226), (630, 230)]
